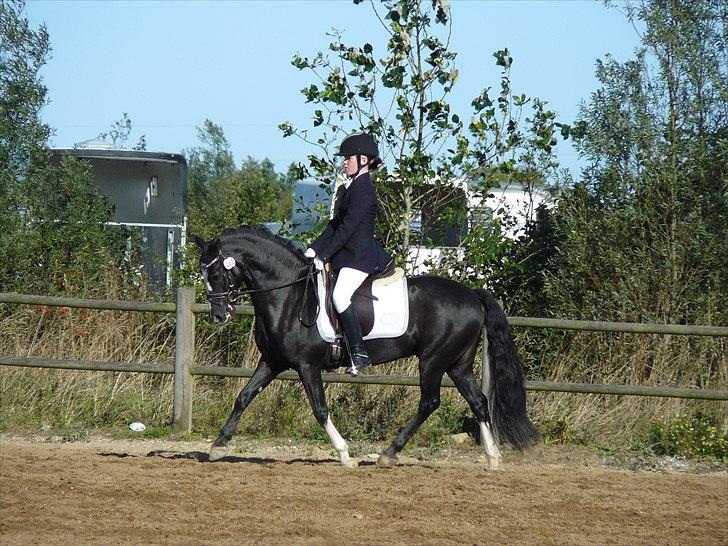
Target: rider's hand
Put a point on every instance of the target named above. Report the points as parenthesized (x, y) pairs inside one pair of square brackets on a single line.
[(311, 253)]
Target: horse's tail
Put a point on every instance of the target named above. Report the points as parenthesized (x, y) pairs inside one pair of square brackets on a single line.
[(507, 391)]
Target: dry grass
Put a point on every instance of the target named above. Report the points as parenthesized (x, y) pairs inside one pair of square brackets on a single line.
[(65, 398), (632, 359), (72, 402)]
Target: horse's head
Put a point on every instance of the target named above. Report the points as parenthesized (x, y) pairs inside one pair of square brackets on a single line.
[(221, 275)]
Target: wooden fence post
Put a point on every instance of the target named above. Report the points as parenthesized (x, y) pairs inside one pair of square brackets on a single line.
[(183, 356)]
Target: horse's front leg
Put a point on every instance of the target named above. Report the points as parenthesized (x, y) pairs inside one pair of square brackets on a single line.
[(314, 386), (261, 378)]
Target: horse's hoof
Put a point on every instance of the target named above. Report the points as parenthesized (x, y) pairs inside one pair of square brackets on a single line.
[(385, 461), (351, 463), (217, 453)]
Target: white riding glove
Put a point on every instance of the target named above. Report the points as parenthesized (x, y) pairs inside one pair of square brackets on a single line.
[(311, 253)]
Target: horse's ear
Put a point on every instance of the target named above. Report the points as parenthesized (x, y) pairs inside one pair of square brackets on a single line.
[(200, 242), (215, 243)]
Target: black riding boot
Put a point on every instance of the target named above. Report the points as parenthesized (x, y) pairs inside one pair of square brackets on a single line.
[(352, 330)]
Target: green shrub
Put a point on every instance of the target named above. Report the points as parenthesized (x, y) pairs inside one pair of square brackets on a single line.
[(449, 418), (692, 437)]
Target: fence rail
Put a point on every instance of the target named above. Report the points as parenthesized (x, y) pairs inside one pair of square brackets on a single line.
[(183, 368), (369, 379), (531, 322)]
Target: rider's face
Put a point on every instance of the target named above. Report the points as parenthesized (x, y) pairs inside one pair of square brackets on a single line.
[(351, 166)]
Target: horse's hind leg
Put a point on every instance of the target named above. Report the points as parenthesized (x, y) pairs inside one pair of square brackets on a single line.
[(429, 402), (261, 378), (314, 387), (462, 375)]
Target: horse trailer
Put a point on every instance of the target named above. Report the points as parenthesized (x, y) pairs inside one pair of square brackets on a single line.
[(149, 193)]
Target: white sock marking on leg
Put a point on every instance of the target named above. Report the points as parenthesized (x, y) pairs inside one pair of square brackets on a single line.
[(339, 443), (491, 449)]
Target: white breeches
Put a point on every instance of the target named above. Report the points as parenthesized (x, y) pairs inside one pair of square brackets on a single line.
[(346, 284)]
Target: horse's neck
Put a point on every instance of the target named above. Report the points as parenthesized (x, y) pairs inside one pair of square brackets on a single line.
[(269, 266), (268, 262)]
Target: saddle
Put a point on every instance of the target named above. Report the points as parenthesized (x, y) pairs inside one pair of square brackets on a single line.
[(363, 299), (385, 316)]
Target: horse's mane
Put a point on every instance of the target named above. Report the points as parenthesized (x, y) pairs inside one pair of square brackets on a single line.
[(264, 233)]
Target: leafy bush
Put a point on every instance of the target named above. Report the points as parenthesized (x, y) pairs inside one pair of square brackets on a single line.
[(692, 437), (452, 417), (558, 431)]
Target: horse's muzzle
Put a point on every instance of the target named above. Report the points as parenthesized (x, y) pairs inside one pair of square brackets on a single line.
[(219, 313), (217, 319)]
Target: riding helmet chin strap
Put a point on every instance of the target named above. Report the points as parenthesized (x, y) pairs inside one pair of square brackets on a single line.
[(359, 166)]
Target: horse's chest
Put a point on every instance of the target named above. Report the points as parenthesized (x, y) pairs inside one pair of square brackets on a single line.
[(278, 344)]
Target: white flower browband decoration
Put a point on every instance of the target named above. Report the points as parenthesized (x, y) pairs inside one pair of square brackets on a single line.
[(228, 263)]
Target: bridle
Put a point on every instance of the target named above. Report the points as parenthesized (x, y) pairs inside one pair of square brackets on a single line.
[(233, 294)]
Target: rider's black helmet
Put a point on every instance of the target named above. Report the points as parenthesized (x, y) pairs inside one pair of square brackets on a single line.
[(361, 144)]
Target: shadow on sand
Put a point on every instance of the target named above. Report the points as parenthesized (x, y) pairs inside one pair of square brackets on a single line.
[(203, 457)]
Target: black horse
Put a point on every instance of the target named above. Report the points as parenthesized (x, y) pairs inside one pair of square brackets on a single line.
[(445, 323)]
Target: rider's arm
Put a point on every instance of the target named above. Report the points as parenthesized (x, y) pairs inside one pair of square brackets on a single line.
[(363, 202)]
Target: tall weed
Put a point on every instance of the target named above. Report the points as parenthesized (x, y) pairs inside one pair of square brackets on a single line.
[(71, 402)]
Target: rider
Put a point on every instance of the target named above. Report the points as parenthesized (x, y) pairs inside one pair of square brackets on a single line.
[(348, 240)]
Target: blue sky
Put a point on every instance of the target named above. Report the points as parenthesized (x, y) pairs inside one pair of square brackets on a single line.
[(170, 65)]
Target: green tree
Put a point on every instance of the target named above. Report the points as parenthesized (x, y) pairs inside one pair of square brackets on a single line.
[(518, 275), (224, 196), (213, 160), (23, 53), (642, 234), (402, 98), (120, 131), (646, 229), (52, 237), (63, 246), (253, 194), (22, 94)]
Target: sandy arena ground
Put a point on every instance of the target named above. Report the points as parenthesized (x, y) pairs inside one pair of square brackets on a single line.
[(160, 492)]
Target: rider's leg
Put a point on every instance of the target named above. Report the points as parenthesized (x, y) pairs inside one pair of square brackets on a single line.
[(346, 284)]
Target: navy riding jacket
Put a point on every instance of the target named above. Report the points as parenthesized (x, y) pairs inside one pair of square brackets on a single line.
[(348, 240)]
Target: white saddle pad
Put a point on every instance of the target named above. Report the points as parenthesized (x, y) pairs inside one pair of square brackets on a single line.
[(391, 310)]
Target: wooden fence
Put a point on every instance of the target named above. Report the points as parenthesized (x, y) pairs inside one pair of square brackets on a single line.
[(184, 368)]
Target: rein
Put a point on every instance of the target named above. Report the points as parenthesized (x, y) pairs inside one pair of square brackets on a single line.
[(233, 295)]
